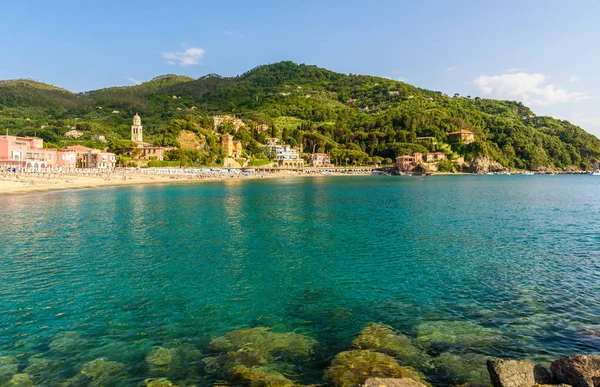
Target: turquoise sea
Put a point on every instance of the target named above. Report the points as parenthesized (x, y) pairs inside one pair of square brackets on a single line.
[(465, 266)]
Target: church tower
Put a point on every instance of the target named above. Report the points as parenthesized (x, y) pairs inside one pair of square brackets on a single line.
[(137, 129)]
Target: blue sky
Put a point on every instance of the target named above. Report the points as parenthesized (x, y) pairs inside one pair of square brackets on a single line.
[(543, 53)]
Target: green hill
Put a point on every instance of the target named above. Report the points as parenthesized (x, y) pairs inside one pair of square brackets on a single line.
[(354, 117)]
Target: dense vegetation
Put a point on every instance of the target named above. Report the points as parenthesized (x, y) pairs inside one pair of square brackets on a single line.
[(355, 118)]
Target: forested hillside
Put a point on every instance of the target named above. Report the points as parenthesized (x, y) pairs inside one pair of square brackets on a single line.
[(355, 118)]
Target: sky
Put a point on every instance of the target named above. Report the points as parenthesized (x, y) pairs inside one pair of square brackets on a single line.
[(543, 53)]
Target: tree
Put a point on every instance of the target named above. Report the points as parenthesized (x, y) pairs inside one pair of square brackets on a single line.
[(121, 147)]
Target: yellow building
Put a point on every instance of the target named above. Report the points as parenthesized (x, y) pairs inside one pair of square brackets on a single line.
[(462, 136), (231, 147)]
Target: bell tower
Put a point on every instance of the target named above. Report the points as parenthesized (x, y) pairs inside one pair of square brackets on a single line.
[(137, 129)]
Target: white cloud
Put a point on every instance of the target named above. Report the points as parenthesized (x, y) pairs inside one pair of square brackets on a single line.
[(531, 89), (573, 78), (234, 34), (402, 79), (452, 68), (134, 81), (513, 70), (190, 56), (588, 122)]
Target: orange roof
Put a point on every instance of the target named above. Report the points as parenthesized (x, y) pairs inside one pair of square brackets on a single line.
[(462, 131)]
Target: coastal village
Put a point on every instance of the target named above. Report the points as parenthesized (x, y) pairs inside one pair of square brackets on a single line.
[(30, 153)]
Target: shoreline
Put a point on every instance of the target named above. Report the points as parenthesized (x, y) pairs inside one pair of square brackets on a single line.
[(29, 183), (32, 184)]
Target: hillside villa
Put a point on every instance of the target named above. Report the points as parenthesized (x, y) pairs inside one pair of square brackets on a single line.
[(74, 133), (220, 120), (435, 156), (461, 136), (407, 163), (231, 147)]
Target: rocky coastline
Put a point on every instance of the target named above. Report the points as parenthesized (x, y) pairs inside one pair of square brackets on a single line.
[(378, 356)]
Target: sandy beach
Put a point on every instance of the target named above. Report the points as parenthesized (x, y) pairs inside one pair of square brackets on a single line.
[(20, 183)]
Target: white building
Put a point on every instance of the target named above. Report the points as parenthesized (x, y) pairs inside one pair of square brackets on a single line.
[(287, 157), (74, 133)]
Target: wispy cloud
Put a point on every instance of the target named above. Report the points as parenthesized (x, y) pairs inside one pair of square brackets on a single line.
[(234, 34), (134, 81), (513, 70), (190, 56), (573, 78), (402, 79), (531, 89), (586, 121), (451, 68)]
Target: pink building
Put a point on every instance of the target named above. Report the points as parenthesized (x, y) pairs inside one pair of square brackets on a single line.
[(319, 160), (99, 159), (28, 152), (79, 151), (408, 162), (146, 151), (66, 159)]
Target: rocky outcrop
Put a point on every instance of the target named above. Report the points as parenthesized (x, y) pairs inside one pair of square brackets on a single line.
[(517, 373), (577, 370), (483, 164), (391, 382)]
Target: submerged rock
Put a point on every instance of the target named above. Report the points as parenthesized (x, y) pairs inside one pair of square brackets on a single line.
[(256, 356), (160, 360), (247, 357), (160, 382), (20, 380), (9, 366), (99, 371), (212, 364), (455, 333), (160, 356), (266, 344), (515, 373), (352, 368), (41, 369), (260, 377), (66, 342), (466, 369), (384, 339), (577, 370), (390, 382)]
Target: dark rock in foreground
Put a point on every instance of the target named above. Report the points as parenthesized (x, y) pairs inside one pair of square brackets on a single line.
[(517, 373), (577, 370)]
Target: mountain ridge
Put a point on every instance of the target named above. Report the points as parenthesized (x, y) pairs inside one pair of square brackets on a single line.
[(361, 113)]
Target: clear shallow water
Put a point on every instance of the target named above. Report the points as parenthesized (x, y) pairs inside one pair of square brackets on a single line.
[(123, 269)]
